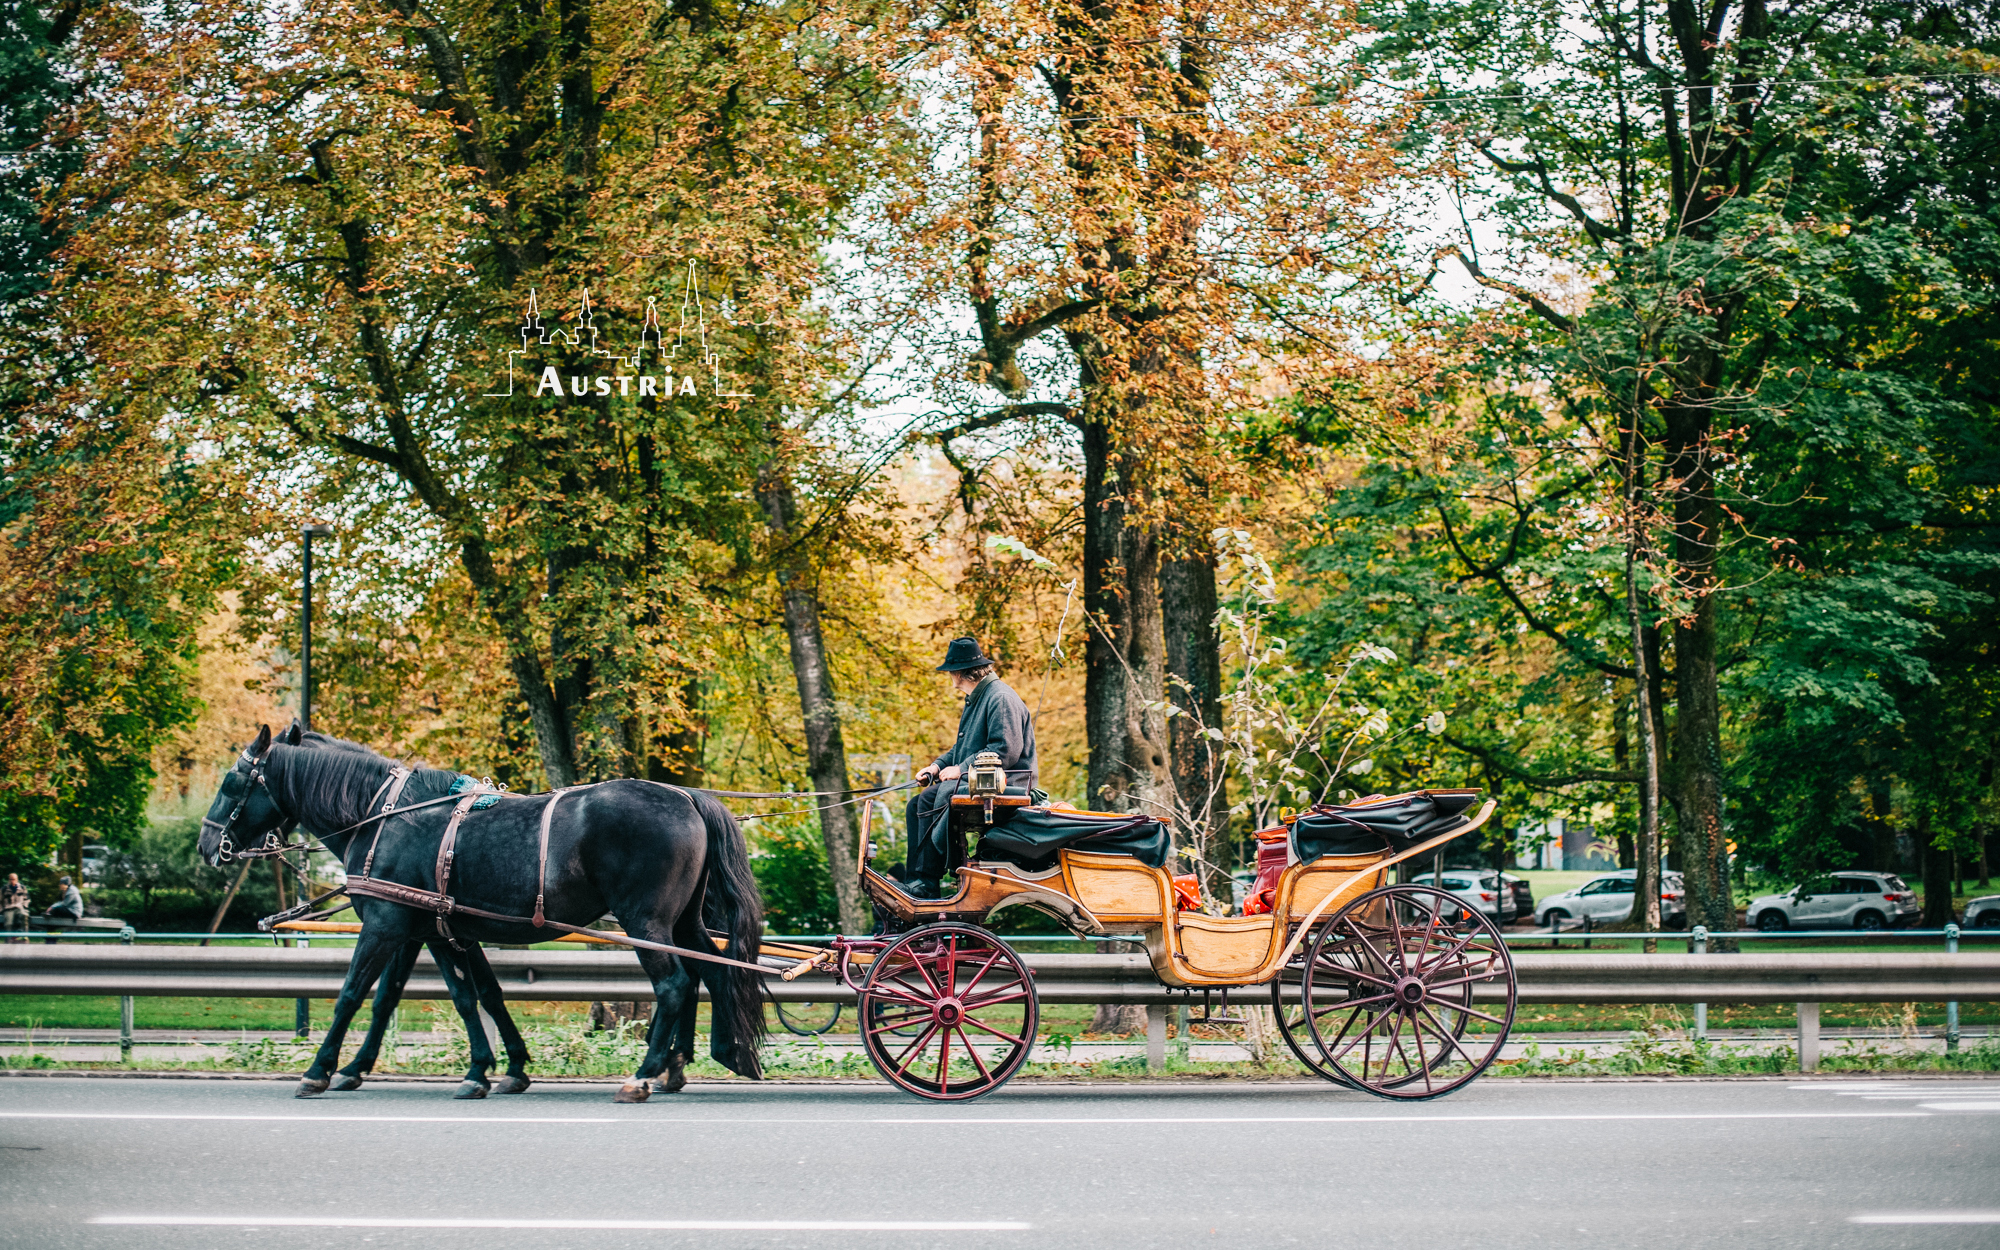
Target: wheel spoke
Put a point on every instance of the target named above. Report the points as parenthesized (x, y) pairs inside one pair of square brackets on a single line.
[(977, 1023), (1359, 975), (917, 962), (1471, 980), (977, 1062), (889, 1024), (923, 1040), (1450, 1038), (1395, 1040), (984, 968), (1380, 958), (1396, 938), (1372, 1026), (905, 991), (1417, 1039), (944, 1060), (1350, 1004), (1474, 1012), (995, 999)]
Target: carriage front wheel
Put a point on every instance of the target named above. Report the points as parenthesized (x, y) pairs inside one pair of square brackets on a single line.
[(948, 1012), (1417, 996)]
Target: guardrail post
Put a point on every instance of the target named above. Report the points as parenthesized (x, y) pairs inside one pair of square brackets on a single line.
[(1156, 1038), (1808, 1037), (1181, 1032), (1701, 1009), (1951, 1009), (125, 935), (302, 1008)]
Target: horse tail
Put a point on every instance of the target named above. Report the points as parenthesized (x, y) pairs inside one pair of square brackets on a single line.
[(731, 895)]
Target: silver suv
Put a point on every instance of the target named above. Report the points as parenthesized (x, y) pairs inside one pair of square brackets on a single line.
[(1838, 900)]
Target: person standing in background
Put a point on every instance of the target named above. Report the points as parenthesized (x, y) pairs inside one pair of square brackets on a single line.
[(14, 907)]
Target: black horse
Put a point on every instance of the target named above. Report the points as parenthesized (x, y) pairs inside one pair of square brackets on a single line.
[(658, 857)]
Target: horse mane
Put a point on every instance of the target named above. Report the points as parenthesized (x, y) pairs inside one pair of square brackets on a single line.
[(332, 783)]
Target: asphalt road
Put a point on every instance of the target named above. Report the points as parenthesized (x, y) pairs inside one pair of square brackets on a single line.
[(185, 1164)]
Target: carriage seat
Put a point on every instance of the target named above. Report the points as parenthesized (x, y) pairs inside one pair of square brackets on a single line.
[(1378, 823), (1030, 836)]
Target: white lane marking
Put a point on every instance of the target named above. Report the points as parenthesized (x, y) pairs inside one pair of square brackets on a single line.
[(364, 1221), (1961, 1106), (1928, 1217), (309, 1119), (1398, 1119)]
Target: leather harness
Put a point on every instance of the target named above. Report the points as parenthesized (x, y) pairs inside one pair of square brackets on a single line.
[(439, 901)]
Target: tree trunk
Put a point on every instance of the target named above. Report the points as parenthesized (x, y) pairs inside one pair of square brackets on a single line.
[(1646, 886), (1194, 655), (826, 750), (1936, 868), (1123, 662), (1697, 695)]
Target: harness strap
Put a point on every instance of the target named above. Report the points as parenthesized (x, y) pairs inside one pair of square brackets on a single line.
[(542, 863), (447, 851), (432, 901), (398, 778)]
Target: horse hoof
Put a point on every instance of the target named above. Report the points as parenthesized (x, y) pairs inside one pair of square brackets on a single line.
[(632, 1091), (344, 1081), (309, 1088), (470, 1089), (512, 1084)]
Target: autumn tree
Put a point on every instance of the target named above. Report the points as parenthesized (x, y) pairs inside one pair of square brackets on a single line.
[(1154, 217), (338, 224)]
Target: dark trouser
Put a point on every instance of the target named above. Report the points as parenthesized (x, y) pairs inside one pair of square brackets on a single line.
[(925, 824)]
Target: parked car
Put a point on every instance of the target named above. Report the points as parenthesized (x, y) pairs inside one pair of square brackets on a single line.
[(1524, 894), (94, 856), (1983, 913), (1838, 900), (1608, 899), (1481, 891)]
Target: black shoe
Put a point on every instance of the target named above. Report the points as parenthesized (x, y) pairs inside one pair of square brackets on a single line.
[(923, 891)]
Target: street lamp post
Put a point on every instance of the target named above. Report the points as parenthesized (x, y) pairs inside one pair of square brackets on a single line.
[(309, 532), (302, 1012)]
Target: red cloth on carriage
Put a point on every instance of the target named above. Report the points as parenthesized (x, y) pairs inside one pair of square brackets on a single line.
[(1273, 853)]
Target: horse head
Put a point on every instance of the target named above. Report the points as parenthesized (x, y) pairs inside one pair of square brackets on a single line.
[(244, 813)]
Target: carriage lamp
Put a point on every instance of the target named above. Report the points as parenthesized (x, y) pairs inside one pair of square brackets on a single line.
[(987, 780)]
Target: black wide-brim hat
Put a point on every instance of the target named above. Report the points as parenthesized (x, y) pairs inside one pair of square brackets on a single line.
[(963, 653)]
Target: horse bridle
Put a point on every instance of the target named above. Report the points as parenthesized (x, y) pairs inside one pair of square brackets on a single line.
[(275, 840)]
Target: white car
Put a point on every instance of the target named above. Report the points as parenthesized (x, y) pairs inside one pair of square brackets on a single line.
[(1479, 890), (1608, 900), (1838, 900), (1983, 913)]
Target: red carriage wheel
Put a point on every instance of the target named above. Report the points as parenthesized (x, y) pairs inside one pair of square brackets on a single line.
[(1423, 998), (948, 1012)]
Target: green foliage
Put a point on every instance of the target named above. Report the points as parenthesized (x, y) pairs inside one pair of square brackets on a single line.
[(789, 861)]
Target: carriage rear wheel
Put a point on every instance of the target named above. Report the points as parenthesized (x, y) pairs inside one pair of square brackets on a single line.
[(1417, 996), (1334, 981), (970, 1001)]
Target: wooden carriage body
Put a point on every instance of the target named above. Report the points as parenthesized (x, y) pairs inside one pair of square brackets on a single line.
[(1120, 896)]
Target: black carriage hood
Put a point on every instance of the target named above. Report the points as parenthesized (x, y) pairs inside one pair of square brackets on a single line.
[(1034, 833), (1397, 824)]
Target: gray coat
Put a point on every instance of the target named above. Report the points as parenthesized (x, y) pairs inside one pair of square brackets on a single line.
[(995, 719)]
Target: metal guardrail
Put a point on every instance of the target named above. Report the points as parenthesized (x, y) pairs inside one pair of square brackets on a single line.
[(584, 975)]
